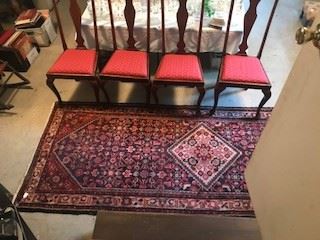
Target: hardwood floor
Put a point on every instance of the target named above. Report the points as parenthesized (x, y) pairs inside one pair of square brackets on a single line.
[(146, 226)]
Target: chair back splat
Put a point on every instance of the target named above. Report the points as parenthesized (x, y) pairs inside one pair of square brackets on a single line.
[(182, 19), (249, 20), (129, 14), (75, 14)]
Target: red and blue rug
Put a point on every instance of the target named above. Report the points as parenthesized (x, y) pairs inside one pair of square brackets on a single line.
[(142, 159)]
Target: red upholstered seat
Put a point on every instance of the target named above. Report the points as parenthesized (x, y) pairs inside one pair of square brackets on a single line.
[(127, 63), (179, 67), (75, 61), (6, 35), (243, 69)]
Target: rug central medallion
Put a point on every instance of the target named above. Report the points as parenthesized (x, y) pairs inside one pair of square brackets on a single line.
[(204, 154)]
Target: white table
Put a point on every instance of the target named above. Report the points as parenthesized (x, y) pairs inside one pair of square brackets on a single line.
[(212, 39)]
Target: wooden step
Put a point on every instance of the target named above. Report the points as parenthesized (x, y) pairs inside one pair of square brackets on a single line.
[(152, 226)]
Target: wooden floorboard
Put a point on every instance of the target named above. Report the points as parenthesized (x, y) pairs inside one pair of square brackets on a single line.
[(146, 226)]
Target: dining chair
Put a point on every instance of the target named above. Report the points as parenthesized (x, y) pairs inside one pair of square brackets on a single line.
[(77, 63), (180, 68), (129, 64), (241, 70)]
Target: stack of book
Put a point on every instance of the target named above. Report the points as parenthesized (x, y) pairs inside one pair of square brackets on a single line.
[(21, 42), (29, 18)]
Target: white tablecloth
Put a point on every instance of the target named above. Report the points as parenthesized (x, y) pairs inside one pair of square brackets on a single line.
[(212, 39)]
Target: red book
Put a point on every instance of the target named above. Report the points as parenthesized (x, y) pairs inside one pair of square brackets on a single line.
[(23, 44), (4, 36), (27, 14)]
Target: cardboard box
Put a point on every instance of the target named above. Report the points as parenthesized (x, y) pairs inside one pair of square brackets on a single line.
[(32, 55), (45, 34)]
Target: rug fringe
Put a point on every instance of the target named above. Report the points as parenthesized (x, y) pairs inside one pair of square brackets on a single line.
[(21, 182)]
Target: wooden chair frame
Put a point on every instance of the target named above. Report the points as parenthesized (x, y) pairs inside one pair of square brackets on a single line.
[(249, 20), (182, 18), (4, 84), (75, 14), (130, 13)]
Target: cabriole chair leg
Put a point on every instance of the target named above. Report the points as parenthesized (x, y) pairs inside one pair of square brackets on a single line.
[(95, 87), (266, 97), (51, 85), (217, 90), (154, 93), (202, 92), (148, 90), (101, 85)]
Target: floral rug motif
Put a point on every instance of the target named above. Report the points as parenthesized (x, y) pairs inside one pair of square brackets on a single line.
[(142, 159)]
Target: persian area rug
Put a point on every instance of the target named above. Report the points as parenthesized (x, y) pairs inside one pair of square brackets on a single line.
[(142, 159)]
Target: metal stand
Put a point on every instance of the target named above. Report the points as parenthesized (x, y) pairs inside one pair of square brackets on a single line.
[(4, 85), (5, 203)]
